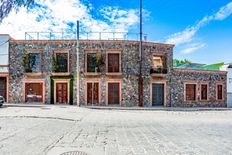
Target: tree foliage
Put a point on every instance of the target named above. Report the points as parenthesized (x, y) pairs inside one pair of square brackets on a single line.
[(177, 62), (6, 6)]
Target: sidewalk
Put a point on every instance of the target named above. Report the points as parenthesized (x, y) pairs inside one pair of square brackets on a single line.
[(160, 108)]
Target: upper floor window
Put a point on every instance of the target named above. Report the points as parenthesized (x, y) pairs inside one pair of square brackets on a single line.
[(157, 62), (219, 92), (60, 64), (190, 92), (92, 62), (32, 62), (113, 62), (204, 92)]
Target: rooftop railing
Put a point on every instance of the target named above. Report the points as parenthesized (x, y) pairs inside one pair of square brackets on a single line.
[(83, 36)]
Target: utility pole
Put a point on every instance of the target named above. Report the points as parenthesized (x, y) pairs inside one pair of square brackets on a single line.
[(140, 80), (77, 63)]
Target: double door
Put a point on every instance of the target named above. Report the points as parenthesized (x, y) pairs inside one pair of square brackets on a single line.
[(61, 93), (3, 87), (157, 94), (93, 93)]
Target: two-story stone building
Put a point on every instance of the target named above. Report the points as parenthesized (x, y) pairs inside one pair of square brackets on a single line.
[(45, 71)]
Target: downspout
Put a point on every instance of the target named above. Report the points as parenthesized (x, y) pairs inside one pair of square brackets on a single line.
[(77, 64)]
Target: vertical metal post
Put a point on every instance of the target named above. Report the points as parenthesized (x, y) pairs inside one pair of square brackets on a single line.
[(77, 63), (140, 80), (25, 35)]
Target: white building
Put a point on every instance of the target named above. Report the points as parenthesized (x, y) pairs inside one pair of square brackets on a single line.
[(228, 68), (4, 62)]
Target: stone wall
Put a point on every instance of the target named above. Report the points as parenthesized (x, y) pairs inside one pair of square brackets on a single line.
[(181, 76), (130, 68), (16, 69)]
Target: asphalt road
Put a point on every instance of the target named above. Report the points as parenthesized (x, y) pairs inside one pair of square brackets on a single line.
[(53, 130)]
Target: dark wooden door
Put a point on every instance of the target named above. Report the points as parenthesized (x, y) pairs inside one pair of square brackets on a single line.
[(157, 94), (3, 87), (93, 93), (62, 93), (113, 93)]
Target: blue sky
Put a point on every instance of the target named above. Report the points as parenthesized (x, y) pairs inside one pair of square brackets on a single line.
[(200, 29)]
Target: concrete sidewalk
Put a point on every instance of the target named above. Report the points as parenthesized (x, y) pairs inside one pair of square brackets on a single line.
[(159, 108)]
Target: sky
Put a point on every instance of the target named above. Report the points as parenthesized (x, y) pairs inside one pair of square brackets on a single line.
[(200, 29)]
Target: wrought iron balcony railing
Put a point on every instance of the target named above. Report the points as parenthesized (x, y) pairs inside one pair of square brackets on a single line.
[(158, 71)]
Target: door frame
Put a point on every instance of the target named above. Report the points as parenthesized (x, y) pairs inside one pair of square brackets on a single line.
[(68, 88), (120, 89), (6, 75), (164, 82), (34, 81), (92, 80)]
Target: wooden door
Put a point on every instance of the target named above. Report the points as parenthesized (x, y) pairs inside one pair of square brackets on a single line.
[(113, 93), (157, 94), (62, 93), (3, 87), (93, 93)]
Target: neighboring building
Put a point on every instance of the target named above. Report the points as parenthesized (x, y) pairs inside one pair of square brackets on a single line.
[(45, 71), (4, 57), (228, 68)]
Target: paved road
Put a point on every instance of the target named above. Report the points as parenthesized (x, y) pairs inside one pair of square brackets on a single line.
[(53, 130)]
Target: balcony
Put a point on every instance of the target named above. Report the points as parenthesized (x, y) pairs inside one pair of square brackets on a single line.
[(158, 72)]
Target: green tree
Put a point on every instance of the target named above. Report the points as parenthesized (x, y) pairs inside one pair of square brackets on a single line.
[(177, 62), (6, 6)]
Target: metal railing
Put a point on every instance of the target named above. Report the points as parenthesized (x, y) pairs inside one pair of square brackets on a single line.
[(83, 36), (158, 71)]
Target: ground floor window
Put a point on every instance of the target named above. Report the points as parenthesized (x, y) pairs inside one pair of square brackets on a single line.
[(3, 87), (190, 92), (219, 92), (113, 93), (33, 92), (204, 92)]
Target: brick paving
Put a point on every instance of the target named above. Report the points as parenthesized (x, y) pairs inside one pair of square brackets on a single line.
[(54, 130)]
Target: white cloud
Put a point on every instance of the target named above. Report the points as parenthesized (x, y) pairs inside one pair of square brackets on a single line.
[(190, 48), (56, 16), (188, 34)]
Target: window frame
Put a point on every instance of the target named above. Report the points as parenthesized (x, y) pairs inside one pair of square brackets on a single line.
[(196, 91), (35, 51), (120, 61), (68, 64), (207, 84), (219, 83)]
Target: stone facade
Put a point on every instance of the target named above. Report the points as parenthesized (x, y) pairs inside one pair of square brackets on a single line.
[(173, 79), (17, 71)]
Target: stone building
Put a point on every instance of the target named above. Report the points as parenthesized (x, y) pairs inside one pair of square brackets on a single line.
[(46, 71)]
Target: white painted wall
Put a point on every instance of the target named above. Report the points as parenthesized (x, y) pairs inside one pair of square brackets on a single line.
[(229, 84), (4, 47)]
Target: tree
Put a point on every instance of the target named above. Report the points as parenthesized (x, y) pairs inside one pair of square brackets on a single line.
[(177, 62), (6, 6)]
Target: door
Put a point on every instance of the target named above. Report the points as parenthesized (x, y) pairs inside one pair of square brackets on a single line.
[(33, 92), (93, 93), (113, 93), (157, 94), (3, 87), (62, 93)]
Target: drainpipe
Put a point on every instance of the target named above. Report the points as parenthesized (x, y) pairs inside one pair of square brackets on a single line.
[(77, 63), (141, 58)]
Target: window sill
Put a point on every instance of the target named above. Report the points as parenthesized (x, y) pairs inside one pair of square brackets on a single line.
[(60, 74), (33, 74), (92, 73), (114, 73), (158, 75)]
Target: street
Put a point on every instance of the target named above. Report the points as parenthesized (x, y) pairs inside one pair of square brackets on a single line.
[(51, 130)]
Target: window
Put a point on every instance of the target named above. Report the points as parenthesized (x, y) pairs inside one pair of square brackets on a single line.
[(219, 92), (61, 62), (33, 92), (92, 64), (113, 62), (204, 92), (190, 92), (157, 62), (34, 62)]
